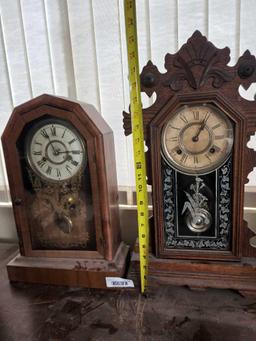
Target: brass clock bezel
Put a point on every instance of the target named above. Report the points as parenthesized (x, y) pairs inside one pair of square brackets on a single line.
[(27, 152), (205, 170)]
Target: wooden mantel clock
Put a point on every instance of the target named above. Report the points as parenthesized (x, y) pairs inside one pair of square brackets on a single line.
[(60, 163), (197, 132)]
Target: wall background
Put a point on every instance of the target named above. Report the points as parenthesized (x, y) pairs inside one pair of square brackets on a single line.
[(76, 48)]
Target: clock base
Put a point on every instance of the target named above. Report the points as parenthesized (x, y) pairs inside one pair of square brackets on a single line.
[(89, 273), (240, 276)]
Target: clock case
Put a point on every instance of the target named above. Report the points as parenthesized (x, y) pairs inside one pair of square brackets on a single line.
[(74, 266), (198, 73)]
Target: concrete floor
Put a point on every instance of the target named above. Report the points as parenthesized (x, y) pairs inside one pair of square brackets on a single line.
[(41, 312)]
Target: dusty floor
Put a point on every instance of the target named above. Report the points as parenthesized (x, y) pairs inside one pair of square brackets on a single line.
[(37, 312)]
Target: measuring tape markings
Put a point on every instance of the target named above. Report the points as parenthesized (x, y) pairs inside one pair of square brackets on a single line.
[(138, 137)]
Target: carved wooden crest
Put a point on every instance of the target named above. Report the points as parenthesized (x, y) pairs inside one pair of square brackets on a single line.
[(196, 62)]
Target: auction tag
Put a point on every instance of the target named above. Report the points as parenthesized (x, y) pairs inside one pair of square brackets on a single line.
[(118, 282)]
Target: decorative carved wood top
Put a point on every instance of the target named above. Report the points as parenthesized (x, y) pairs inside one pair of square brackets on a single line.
[(197, 66), (196, 62)]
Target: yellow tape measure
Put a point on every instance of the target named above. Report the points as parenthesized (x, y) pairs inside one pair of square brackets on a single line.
[(138, 137)]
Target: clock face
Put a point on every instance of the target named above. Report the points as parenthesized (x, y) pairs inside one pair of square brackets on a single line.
[(197, 139), (55, 150)]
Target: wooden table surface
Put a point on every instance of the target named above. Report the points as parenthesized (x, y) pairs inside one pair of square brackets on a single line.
[(42, 312)]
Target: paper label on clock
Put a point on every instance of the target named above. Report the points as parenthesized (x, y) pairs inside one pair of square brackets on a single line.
[(118, 282)]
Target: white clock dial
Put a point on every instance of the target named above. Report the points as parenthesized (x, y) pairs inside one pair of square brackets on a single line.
[(197, 139), (55, 150)]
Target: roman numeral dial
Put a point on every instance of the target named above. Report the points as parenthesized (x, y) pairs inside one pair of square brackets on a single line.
[(197, 139), (55, 150)]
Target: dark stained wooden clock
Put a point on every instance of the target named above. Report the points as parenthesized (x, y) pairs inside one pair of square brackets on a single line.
[(198, 162), (61, 167)]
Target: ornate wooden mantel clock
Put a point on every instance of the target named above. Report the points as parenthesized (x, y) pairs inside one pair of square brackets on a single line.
[(60, 163), (198, 162)]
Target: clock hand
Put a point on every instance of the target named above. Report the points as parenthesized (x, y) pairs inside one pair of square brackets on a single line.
[(70, 151), (195, 138), (55, 151)]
